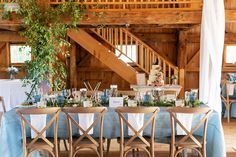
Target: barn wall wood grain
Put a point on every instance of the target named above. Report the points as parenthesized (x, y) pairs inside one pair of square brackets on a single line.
[(92, 70)]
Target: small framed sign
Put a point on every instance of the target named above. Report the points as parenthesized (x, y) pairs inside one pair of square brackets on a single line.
[(116, 101), (141, 79)]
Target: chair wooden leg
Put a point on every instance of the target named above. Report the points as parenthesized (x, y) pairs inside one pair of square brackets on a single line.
[(108, 146), (133, 152), (57, 149), (171, 151), (65, 145), (228, 114), (121, 151), (204, 151)]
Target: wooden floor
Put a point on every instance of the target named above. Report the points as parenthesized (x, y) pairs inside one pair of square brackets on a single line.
[(162, 150)]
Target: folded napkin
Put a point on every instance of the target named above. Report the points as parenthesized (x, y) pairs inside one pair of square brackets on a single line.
[(86, 119), (186, 121), (231, 89), (136, 121), (38, 122)]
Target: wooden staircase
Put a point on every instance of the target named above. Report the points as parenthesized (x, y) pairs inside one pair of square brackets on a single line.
[(135, 52), (102, 53)]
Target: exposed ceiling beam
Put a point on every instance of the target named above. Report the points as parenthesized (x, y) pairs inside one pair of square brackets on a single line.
[(141, 17), (8, 36)]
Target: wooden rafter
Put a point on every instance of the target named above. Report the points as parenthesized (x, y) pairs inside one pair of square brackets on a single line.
[(8, 36)]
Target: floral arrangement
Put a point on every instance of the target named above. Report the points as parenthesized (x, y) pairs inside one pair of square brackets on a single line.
[(12, 70)]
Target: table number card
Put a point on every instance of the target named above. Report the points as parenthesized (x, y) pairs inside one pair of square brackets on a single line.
[(116, 101), (141, 79)]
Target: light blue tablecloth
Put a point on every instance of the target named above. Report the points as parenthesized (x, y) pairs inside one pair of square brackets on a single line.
[(11, 138)]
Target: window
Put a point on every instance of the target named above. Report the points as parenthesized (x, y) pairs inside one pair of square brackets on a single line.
[(19, 53), (130, 51), (230, 55)]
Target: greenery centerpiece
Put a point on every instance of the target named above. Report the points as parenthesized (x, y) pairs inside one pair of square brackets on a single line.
[(45, 30)]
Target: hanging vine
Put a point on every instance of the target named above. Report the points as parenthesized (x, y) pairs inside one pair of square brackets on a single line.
[(46, 30)]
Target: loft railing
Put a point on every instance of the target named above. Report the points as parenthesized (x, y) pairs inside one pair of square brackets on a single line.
[(114, 5), (135, 51)]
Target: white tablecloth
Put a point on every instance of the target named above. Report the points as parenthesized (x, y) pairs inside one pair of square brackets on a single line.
[(144, 88), (12, 92)]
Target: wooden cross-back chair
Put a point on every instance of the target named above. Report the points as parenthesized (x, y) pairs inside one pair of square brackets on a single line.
[(85, 140), (39, 142), (3, 104), (188, 141), (137, 141), (227, 99)]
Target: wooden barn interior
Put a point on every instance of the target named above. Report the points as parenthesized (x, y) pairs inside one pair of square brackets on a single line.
[(171, 32), (167, 33)]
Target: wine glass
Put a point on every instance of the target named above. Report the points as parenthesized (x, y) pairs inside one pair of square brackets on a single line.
[(67, 93), (74, 93)]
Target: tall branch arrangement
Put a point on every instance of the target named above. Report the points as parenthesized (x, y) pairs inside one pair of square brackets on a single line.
[(46, 30)]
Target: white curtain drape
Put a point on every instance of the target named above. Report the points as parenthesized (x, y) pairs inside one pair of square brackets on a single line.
[(211, 52)]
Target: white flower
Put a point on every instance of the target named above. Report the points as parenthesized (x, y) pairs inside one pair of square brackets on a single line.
[(12, 70)]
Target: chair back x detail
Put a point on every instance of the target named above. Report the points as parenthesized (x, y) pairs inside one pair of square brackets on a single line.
[(137, 141), (189, 140), (39, 142), (85, 140)]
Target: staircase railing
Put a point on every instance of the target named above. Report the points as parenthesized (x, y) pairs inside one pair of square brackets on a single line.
[(135, 51), (114, 5)]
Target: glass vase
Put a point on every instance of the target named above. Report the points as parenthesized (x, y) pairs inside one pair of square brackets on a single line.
[(12, 77)]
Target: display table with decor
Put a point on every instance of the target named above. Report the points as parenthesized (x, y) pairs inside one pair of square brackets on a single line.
[(11, 138), (12, 92), (144, 88)]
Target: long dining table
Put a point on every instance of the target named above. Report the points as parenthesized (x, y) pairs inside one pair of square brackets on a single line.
[(11, 138)]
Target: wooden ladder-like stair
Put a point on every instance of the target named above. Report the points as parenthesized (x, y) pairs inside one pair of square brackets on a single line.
[(139, 55), (104, 54)]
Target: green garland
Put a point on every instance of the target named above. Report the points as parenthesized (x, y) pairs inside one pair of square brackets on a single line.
[(46, 34)]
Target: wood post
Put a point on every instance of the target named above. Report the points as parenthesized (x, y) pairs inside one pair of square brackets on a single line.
[(182, 82), (8, 55), (182, 60), (73, 66)]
